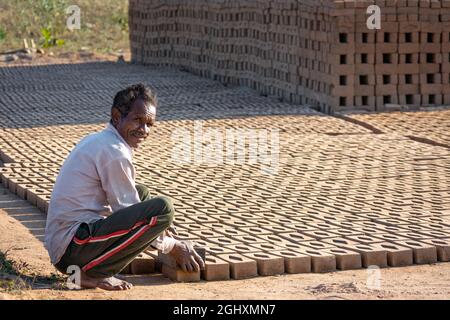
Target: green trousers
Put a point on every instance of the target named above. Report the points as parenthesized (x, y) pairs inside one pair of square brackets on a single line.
[(105, 247)]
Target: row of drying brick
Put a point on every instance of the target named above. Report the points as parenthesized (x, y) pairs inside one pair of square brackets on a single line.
[(243, 265), (240, 248)]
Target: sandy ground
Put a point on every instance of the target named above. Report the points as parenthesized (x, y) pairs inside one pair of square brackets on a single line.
[(416, 282)]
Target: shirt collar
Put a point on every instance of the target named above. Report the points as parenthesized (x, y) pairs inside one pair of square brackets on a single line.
[(111, 128)]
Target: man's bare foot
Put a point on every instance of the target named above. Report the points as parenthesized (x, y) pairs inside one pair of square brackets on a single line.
[(111, 283)]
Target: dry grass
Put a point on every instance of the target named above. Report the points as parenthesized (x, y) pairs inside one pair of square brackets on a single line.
[(17, 277), (104, 25)]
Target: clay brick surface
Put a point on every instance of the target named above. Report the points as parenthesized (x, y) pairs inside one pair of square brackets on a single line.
[(294, 262), (442, 247), (397, 256), (346, 259), (423, 253), (215, 269), (142, 264), (321, 260), (241, 267), (268, 264), (178, 275)]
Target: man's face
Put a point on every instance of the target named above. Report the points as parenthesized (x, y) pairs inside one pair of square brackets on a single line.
[(135, 127)]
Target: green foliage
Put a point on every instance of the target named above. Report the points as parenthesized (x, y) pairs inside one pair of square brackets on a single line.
[(122, 21), (104, 24), (48, 40), (6, 266), (2, 34)]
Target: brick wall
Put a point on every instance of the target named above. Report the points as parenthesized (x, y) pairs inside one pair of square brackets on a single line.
[(317, 52)]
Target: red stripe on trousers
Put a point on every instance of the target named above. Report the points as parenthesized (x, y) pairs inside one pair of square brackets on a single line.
[(108, 236), (122, 246)]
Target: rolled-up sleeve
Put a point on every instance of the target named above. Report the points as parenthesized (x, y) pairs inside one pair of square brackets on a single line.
[(164, 243)]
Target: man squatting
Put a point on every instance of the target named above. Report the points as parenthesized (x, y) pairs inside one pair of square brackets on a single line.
[(98, 218)]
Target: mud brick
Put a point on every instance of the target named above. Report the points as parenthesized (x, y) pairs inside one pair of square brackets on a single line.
[(229, 231), (320, 234), (345, 259), (178, 275), (32, 196), (206, 234), (154, 254), (241, 248), (5, 180), (126, 270), (223, 241), (347, 232), (266, 246), (241, 267), (216, 250), (381, 90), (322, 244), (166, 259), (42, 202), (277, 229), (181, 220), (442, 247), (430, 68), (249, 239), (215, 269), (294, 262), (195, 227), (298, 234), (370, 254), (423, 253), (239, 223), (322, 225), (269, 238), (397, 256), (413, 79), (321, 260), (142, 264), (413, 47), (364, 102), (446, 99), (255, 230), (185, 235), (415, 235), (388, 237), (268, 264), (365, 239)]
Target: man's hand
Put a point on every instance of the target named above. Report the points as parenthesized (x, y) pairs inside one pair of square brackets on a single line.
[(186, 257), (171, 231)]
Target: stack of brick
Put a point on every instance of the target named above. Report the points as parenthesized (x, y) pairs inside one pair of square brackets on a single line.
[(319, 53), (403, 63), (258, 44)]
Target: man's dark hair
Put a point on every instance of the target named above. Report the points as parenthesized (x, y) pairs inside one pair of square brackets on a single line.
[(124, 99)]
